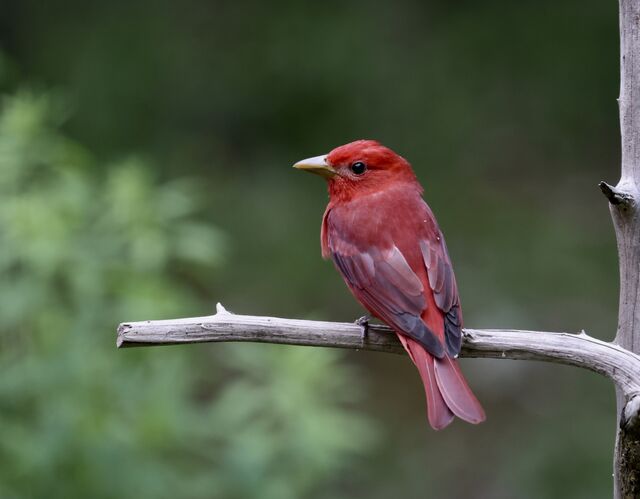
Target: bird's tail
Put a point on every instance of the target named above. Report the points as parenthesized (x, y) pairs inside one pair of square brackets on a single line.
[(448, 394)]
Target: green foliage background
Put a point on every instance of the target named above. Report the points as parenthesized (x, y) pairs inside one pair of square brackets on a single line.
[(144, 173), (81, 247)]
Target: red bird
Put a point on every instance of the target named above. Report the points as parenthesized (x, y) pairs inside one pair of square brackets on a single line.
[(386, 243)]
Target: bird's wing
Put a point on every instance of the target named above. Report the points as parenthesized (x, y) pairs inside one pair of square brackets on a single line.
[(385, 283), (442, 282)]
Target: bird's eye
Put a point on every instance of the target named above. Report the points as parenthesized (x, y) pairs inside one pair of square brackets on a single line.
[(358, 168)]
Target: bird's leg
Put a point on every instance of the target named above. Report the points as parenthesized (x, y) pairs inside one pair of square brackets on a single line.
[(363, 322)]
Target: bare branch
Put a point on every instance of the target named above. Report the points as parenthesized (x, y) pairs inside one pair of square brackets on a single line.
[(581, 350), (626, 220)]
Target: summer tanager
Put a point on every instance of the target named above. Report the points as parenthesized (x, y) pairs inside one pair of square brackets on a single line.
[(386, 243)]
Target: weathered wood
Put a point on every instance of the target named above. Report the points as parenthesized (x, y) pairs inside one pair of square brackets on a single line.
[(625, 212), (581, 350)]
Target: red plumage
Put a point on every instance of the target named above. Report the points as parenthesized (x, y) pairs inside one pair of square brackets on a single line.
[(386, 243)]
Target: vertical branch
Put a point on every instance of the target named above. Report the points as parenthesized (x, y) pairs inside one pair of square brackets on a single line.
[(623, 205)]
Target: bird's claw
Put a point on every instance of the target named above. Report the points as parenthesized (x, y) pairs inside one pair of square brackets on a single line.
[(363, 322)]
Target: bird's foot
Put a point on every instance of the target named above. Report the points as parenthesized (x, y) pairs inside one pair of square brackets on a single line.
[(363, 322)]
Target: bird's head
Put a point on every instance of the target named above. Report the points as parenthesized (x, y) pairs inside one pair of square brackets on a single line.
[(360, 167)]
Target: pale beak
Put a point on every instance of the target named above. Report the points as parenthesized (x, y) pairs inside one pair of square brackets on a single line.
[(317, 165)]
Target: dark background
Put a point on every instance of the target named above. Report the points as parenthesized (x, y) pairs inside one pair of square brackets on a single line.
[(145, 153)]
